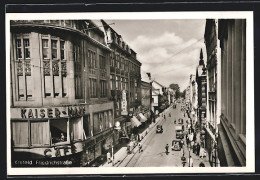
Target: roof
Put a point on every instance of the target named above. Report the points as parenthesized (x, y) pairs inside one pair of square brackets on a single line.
[(157, 83)]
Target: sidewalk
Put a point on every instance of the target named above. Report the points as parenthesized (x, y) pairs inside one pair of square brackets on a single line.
[(121, 157)]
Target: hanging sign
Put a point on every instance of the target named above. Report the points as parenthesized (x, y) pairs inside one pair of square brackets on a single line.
[(124, 103)]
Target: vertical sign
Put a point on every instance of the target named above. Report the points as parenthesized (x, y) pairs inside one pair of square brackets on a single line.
[(124, 103)]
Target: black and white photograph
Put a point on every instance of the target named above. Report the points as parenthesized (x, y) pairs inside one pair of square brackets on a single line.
[(147, 92)]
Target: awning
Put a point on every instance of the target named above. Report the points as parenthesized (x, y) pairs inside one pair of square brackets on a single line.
[(143, 118), (135, 122)]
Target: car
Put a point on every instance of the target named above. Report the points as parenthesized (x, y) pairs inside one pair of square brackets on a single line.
[(159, 129), (176, 145), (179, 132), (180, 121)]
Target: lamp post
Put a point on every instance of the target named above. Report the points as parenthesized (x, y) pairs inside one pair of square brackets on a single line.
[(189, 155)]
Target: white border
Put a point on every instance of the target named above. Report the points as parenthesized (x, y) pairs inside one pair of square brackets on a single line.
[(250, 153)]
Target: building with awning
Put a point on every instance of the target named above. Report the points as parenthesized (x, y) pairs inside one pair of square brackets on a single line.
[(142, 117), (135, 122)]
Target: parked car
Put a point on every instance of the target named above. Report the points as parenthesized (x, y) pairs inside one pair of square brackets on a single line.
[(180, 121), (176, 145), (159, 129)]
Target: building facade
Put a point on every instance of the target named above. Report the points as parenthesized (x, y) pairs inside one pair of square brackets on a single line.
[(125, 77), (232, 127), (146, 99), (60, 104), (213, 91), (201, 79)]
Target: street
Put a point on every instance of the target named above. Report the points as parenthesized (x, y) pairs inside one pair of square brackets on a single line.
[(154, 154)]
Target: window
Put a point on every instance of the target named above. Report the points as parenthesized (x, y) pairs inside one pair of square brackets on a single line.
[(54, 51), (26, 48), (102, 62), (76, 131), (86, 125), (93, 87), (136, 96), (106, 121), (45, 48), (122, 83), (23, 68), (78, 73), (59, 131), (92, 59), (62, 49), (103, 88), (54, 67), (110, 118), (118, 107), (40, 133), (122, 64), (117, 62), (126, 66), (126, 83), (97, 124), (117, 82), (20, 133), (135, 82)]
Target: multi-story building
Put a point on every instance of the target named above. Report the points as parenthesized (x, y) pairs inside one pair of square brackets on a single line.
[(60, 106), (201, 79), (193, 97), (213, 101), (232, 127), (125, 76), (157, 97), (146, 99)]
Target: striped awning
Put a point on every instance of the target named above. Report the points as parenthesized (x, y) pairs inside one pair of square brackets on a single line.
[(142, 117), (135, 122)]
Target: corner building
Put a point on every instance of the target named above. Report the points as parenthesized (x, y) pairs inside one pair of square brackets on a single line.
[(60, 106)]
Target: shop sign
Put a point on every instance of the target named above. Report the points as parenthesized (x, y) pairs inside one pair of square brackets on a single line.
[(124, 103), (52, 112)]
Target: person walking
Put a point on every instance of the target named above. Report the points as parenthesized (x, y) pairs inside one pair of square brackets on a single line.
[(190, 162), (198, 149), (140, 147), (201, 164), (167, 149)]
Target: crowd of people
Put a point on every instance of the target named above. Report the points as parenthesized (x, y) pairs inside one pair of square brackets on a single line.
[(196, 146)]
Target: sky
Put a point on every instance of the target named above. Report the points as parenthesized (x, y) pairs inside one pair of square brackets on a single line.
[(168, 49)]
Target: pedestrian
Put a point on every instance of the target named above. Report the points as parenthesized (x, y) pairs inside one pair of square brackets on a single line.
[(164, 116), (140, 147), (190, 161), (181, 143), (167, 148), (201, 164), (183, 159), (195, 137), (198, 149)]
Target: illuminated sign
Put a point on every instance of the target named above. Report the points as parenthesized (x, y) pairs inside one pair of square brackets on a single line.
[(124, 103)]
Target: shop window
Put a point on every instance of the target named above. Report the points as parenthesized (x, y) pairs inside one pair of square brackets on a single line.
[(101, 121), (76, 131), (20, 133), (91, 153), (110, 118), (86, 125), (98, 151), (96, 123), (23, 68), (59, 130), (93, 87), (106, 121), (40, 132)]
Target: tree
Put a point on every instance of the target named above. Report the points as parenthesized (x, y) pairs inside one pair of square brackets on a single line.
[(176, 87), (184, 93)]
